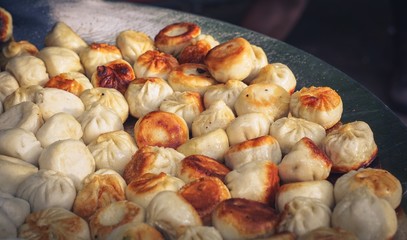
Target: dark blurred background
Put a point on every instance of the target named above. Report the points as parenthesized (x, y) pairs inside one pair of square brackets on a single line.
[(364, 39)]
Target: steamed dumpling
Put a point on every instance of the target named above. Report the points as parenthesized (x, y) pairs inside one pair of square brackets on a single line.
[(98, 120), (259, 61), (201, 233), (15, 209), (227, 92), (46, 189), (28, 70), (21, 94), (13, 171), (59, 60), (60, 126), (8, 85), (218, 115), (26, 115), (133, 43), (137, 231), (288, 131), (62, 35), (279, 74)]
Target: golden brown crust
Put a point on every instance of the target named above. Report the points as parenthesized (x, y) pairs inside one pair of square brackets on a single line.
[(62, 82), (320, 98), (116, 74), (99, 192), (6, 25), (177, 34), (249, 217), (194, 53), (204, 195), (198, 166), (135, 167), (317, 152), (252, 143), (162, 129), (104, 47), (379, 180), (154, 62)]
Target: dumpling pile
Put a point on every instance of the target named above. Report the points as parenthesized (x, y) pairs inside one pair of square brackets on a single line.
[(178, 137)]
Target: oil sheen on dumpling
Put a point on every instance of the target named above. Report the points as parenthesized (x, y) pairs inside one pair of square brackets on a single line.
[(73, 82), (154, 63)]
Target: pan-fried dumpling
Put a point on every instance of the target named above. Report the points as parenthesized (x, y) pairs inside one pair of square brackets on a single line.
[(321, 190), (145, 95), (144, 188), (138, 231), (173, 38), (6, 25), (366, 215), (60, 126), (259, 61), (248, 126), (227, 92), (321, 105), (328, 233), (218, 115), (26, 115), (305, 162), (73, 82), (75, 164), (46, 189), (98, 120), (15, 209), (114, 215), (350, 146), (133, 43), (303, 214), (28, 70), (13, 171), (97, 54), (8, 85), (265, 148), (59, 60), (288, 131), (20, 143), (381, 182), (257, 180), (108, 97), (200, 233), (56, 222), (197, 50), (21, 94), (171, 213), (154, 63), (267, 98), (192, 77), (113, 150), (54, 100), (279, 74), (187, 105), (152, 159), (62, 35)]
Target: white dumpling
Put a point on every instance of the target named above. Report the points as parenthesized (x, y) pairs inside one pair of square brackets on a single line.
[(28, 70), (268, 98), (108, 97), (54, 100), (146, 94), (321, 190), (97, 54), (53, 222), (227, 92), (365, 215), (256, 181), (59, 60), (201, 233), (20, 143), (260, 60), (8, 85), (133, 43), (288, 131), (187, 105), (62, 35), (217, 116), (350, 146), (98, 120), (265, 148), (171, 213), (21, 94), (248, 126), (47, 188), (70, 157), (135, 231), (213, 144), (60, 126), (279, 74), (26, 115), (305, 162), (15, 209), (113, 150), (13, 171), (381, 182), (302, 215), (7, 227)]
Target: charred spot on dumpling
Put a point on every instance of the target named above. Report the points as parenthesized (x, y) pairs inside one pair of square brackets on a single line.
[(117, 74), (6, 25)]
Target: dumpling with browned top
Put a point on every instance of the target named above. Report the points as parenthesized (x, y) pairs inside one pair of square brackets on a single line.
[(154, 63), (97, 54), (132, 44)]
